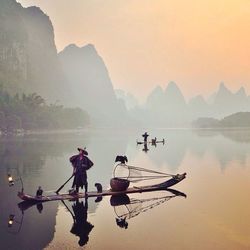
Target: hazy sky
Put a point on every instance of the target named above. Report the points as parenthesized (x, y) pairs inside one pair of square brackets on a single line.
[(144, 43)]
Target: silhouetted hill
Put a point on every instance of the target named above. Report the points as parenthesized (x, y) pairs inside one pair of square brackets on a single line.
[(176, 108), (197, 107), (28, 55), (206, 122), (156, 99), (173, 95), (29, 63), (129, 99), (240, 119), (166, 107), (91, 85), (225, 102), (236, 120)]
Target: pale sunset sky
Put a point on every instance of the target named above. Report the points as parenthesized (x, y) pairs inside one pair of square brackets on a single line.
[(144, 43)]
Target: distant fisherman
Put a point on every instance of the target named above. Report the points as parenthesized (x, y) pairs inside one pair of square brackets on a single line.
[(145, 136), (81, 163), (153, 141)]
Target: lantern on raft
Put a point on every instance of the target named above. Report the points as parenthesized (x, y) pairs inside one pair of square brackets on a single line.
[(12, 181), (11, 220)]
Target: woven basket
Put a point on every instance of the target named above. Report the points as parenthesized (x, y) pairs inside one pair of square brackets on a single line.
[(118, 184)]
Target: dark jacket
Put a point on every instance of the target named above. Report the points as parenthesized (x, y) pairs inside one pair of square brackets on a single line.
[(81, 165)]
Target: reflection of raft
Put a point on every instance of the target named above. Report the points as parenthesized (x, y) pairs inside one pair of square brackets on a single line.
[(126, 208)]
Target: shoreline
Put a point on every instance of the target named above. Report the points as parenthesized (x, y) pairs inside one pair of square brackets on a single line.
[(96, 129)]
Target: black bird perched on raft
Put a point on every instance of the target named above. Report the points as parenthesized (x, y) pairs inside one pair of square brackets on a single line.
[(122, 159), (98, 187)]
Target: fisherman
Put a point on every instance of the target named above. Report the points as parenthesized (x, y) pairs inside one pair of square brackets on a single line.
[(145, 136), (153, 141), (81, 163)]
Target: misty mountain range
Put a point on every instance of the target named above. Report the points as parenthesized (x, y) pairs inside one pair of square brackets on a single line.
[(28, 55), (91, 86), (169, 108), (78, 77)]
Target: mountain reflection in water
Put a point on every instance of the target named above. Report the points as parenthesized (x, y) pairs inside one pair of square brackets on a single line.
[(212, 159)]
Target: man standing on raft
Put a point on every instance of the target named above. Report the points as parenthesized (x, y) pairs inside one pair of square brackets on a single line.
[(145, 137), (81, 163)]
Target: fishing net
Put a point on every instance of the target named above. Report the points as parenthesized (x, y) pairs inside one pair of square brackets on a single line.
[(137, 206), (135, 174)]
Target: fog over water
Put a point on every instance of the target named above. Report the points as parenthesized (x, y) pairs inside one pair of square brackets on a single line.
[(217, 166), (99, 74)]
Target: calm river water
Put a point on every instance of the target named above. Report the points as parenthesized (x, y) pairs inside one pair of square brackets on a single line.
[(215, 214)]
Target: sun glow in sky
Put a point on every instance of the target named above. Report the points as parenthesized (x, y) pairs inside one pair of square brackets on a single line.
[(144, 43)]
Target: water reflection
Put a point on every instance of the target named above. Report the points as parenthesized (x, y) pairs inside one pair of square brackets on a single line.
[(225, 145), (236, 135), (145, 148), (12, 222), (219, 212), (81, 227), (152, 144), (44, 160), (126, 208), (39, 207), (173, 150), (79, 210), (25, 230)]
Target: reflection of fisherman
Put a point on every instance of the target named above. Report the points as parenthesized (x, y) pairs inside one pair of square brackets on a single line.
[(145, 148), (81, 226), (145, 136), (39, 207), (81, 164)]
